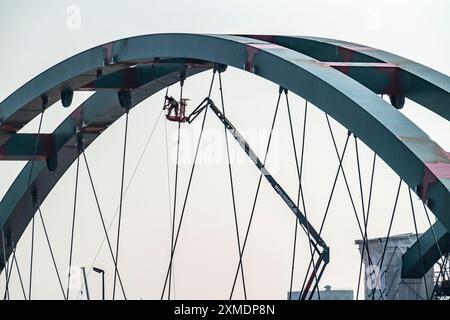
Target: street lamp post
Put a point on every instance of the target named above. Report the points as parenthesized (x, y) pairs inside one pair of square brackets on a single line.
[(98, 270), (85, 283)]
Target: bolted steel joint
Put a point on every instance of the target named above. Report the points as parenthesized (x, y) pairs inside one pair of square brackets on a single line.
[(125, 99), (44, 102), (52, 162), (35, 198), (219, 67), (182, 77), (66, 97), (397, 101)]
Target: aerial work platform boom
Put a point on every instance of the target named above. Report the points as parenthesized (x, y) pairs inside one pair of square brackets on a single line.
[(315, 239)]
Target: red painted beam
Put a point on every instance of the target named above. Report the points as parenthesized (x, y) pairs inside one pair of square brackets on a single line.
[(26, 146)]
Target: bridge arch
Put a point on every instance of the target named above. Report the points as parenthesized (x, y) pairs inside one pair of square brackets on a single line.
[(146, 64)]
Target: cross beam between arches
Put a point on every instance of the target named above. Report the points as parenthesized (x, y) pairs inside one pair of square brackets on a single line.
[(401, 144)]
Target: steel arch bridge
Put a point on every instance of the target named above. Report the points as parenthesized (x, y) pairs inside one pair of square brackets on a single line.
[(343, 79)]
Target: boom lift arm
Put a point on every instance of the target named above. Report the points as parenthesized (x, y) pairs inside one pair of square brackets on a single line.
[(317, 242)]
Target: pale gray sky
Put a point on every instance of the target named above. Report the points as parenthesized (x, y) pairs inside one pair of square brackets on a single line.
[(35, 35)]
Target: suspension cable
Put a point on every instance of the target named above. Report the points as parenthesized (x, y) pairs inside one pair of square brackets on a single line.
[(12, 263), (175, 193), (171, 220), (381, 261), (381, 297), (361, 192), (371, 187), (436, 283), (19, 274), (51, 253), (102, 220), (346, 183), (417, 240), (31, 258), (8, 277), (11, 266), (365, 219), (442, 272), (370, 197), (434, 234), (345, 179), (340, 168), (44, 105), (124, 194), (187, 190), (300, 190), (341, 158), (300, 187), (127, 111), (360, 181), (6, 266), (232, 189), (349, 191), (293, 258), (414, 290), (73, 226), (256, 194)]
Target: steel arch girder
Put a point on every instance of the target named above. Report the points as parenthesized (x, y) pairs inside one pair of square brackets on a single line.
[(426, 86), (388, 73), (395, 139), (27, 101), (429, 252), (419, 83), (96, 114)]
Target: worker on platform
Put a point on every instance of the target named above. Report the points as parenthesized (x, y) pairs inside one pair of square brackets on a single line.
[(171, 104)]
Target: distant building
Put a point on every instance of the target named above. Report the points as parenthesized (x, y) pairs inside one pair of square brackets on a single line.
[(327, 294), (385, 282)]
